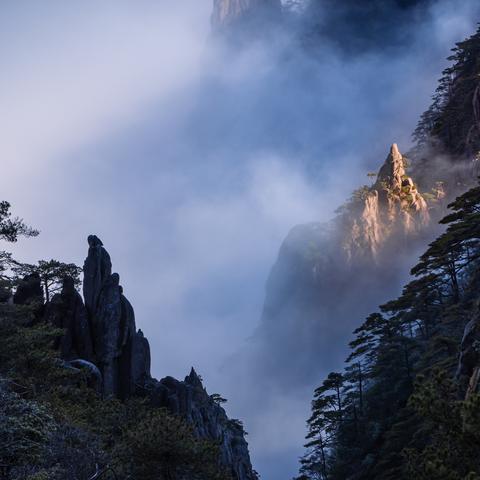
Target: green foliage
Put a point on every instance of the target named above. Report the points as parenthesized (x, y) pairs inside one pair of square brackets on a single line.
[(218, 399), (51, 272), (161, 446), (452, 118), (52, 426), (26, 352), (13, 227), (358, 195), (361, 193), (396, 412), (24, 428), (454, 431)]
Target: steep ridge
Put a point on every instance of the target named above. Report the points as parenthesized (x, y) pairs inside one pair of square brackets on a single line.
[(101, 338), (369, 239), (405, 404)]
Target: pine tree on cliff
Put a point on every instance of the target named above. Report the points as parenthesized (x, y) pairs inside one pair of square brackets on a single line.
[(52, 274), (403, 415), (453, 120), (13, 227)]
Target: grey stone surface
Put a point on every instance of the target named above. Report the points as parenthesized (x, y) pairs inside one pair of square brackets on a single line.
[(229, 15), (95, 379), (66, 310), (140, 359), (190, 400), (96, 271), (101, 338)]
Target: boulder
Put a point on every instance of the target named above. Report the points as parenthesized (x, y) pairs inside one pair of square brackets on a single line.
[(95, 379), (468, 370), (29, 291)]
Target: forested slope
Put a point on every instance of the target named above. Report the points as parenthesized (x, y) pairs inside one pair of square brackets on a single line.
[(406, 404)]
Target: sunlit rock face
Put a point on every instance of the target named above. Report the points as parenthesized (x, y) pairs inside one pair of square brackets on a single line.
[(226, 13), (329, 276), (390, 211)]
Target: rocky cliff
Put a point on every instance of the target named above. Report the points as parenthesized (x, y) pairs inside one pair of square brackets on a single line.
[(190, 400), (313, 296), (227, 13), (390, 211), (101, 338)]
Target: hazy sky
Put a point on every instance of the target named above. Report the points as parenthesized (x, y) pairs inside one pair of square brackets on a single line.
[(192, 162)]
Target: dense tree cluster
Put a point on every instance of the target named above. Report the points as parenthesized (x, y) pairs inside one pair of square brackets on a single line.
[(54, 426), (398, 410), (51, 272), (452, 123)]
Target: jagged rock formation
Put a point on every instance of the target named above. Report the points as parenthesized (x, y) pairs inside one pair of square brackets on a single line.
[(391, 210), (190, 400), (101, 339), (313, 296), (227, 13), (67, 311), (140, 359), (96, 270), (112, 321)]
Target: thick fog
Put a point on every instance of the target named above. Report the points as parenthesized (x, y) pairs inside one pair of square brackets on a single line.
[(192, 160)]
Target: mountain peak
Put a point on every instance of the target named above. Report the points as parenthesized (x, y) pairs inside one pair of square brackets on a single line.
[(390, 209), (392, 173), (227, 13), (194, 379)]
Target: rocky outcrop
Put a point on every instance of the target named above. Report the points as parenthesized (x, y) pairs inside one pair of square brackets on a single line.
[(67, 311), (313, 294), (108, 333), (228, 13), (190, 400), (101, 339), (140, 359), (94, 376), (29, 291), (122, 358), (96, 271), (389, 212), (102, 330)]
